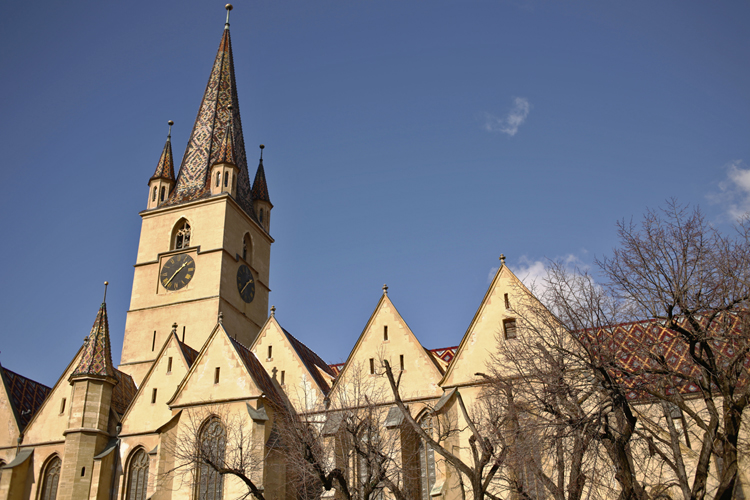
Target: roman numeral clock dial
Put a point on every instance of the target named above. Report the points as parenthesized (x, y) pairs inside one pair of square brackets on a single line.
[(177, 272), (245, 283)]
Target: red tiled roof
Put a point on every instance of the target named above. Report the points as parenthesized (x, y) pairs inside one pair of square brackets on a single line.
[(226, 153), (312, 361), (123, 392), (261, 378), (26, 396), (260, 187), (165, 167), (96, 358), (445, 353), (189, 353)]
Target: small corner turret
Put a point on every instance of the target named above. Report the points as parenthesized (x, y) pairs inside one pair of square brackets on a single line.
[(224, 172), (161, 183), (261, 200)]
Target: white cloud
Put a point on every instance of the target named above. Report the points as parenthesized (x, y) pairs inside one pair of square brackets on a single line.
[(734, 191), (533, 272), (510, 123)]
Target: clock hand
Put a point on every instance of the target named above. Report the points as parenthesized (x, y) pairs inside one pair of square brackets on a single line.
[(243, 288), (175, 274)]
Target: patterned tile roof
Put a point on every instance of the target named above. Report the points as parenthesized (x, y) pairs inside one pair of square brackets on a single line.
[(26, 396), (445, 353), (96, 358), (312, 361), (260, 188), (261, 378), (226, 153), (636, 351), (219, 107), (123, 393), (165, 167)]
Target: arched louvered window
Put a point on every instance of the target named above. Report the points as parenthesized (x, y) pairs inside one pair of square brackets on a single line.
[(51, 479), (212, 444), (153, 196), (138, 476), (181, 236), (226, 179), (163, 193), (247, 248), (426, 461)]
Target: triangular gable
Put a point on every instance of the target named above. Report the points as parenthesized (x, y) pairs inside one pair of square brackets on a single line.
[(22, 397), (240, 375), (301, 373), (165, 377), (480, 341), (421, 371), (49, 423)]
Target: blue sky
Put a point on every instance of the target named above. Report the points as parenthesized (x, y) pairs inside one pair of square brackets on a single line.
[(407, 142)]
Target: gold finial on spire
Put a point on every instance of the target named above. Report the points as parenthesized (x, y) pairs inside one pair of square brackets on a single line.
[(229, 8), (261, 151), (106, 283), (385, 289), (169, 134), (502, 258)]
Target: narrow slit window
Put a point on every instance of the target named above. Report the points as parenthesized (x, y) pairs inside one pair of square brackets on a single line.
[(62, 405), (169, 365), (507, 301), (385, 332), (270, 352), (216, 375), (218, 178), (282, 377), (83, 471), (226, 179), (163, 193), (153, 341), (509, 325), (372, 366), (153, 396), (183, 334), (153, 196), (401, 361)]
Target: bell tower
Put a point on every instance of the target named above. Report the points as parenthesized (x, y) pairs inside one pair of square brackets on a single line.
[(203, 249)]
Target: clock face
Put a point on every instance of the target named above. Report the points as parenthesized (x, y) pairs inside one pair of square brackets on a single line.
[(177, 272), (245, 283)]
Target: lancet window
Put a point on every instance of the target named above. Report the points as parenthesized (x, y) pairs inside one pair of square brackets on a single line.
[(212, 442), (163, 193), (51, 479), (426, 461), (247, 247), (182, 235), (138, 476)]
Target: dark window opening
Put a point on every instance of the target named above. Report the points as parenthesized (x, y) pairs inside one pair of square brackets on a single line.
[(401, 360), (282, 377), (507, 301), (226, 179), (169, 365), (385, 332), (163, 193), (182, 236), (216, 375), (62, 405), (153, 196), (83, 471), (372, 366), (509, 325), (153, 396), (218, 178), (270, 352), (153, 342)]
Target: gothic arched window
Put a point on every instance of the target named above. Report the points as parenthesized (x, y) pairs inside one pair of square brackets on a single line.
[(51, 479), (153, 196), (261, 216), (218, 178), (247, 248), (426, 461), (163, 192), (212, 444), (181, 236), (138, 476), (226, 179)]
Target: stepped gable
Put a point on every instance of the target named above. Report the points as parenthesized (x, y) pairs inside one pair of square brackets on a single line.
[(165, 167), (634, 348), (96, 358), (219, 108), (258, 373), (26, 395), (312, 362), (123, 393)]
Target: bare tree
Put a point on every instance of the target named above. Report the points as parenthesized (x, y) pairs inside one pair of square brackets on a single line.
[(210, 443), (345, 445)]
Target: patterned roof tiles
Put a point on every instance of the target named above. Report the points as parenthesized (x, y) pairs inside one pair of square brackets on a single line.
[(26, 396), (226, 153), (123, 393), (219, 107), (189, 353), (96, 358), (260, 187), (312, 361), (256, 370), (165, 167)]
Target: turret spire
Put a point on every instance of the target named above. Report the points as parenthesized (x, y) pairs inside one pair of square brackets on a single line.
[(260, 187), (229, 8), (96, 359), (165, 167), (204, 145)]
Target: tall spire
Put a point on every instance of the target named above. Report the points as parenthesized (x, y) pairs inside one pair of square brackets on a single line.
[(97, 354), (165, 167), (260, 188), (226, 153), (219, 108)]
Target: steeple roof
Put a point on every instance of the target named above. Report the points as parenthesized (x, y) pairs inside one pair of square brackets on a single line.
[(96, 358), (165, 167), (260, 188), (226, 153), (219, 108)]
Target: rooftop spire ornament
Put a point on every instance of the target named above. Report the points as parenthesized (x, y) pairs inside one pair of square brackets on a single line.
[(262, 147), (106, 284), (229, 8), (169, 134), (385, 289)]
